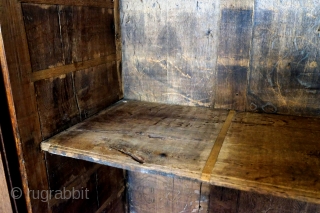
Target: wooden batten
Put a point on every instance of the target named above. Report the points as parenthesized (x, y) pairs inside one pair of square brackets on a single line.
[(97, 3)]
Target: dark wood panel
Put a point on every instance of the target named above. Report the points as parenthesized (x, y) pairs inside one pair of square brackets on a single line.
[(284, 75), (62, 35), (169, 51), (233, 54), (96, 88), (154, 193), (43, 33), (86, 33), (57, 104), (95, 3), (22, 103)]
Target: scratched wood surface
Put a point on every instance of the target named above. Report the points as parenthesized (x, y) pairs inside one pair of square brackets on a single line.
[(284, 76), (149, 193), (233, 54), (142, 136), (168, 56), (274, 154)]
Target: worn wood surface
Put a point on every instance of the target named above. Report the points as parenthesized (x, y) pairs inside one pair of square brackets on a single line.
[(168, 56), (149, 193), (142, 136), (244, 55), (233, 54), (235, 201), (16, 68), (96, 3), (62, 35), (274, 154), (284, 76)]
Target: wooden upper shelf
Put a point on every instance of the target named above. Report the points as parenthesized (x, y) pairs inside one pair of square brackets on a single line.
[(266, 153)]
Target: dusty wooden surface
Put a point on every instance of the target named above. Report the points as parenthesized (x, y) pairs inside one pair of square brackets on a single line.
[(243, 55), (274, 154), (142, 136)]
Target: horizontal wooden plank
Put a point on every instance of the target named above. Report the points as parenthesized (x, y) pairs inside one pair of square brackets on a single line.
[(63, 70), (141, 136), (95, 3), (274, 154)]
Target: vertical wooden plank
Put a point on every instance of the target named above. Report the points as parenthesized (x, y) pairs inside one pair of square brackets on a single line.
[(233, 54), (97, 88), (43, 35), (86, 33), (284, 75), (154, 193), (57, 104), (169, 50), (15, 62)]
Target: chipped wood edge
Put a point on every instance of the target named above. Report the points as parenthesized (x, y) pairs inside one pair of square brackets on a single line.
[(45, 146), (212, 159)]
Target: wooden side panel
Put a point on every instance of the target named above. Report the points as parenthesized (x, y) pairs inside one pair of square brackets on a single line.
[(169, 50), (22, 102), (284, 75), (153, 193), (233, 54)]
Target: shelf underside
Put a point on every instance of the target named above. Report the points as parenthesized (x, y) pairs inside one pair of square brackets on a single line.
[(273, 154)]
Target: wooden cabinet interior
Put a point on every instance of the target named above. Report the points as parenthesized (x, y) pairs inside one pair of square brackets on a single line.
[(182, 69)]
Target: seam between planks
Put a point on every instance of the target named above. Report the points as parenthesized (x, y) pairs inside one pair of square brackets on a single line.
[(212, 159)]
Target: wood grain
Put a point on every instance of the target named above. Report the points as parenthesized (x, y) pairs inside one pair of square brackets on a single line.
[(149, 193), (169, 51), (172, 140), (66, 69), (277, 155), (97, 3), (284, 76), (233, 54), (212, 159), (16, 68)]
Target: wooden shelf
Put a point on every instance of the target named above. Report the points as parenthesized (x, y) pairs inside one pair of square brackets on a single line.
[(272, 154)]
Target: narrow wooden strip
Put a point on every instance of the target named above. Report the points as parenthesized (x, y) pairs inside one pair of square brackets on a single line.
[(61, 70), (97, 3), (207, 169), (14, 120)]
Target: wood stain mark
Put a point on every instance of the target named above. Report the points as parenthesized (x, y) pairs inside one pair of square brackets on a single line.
[(212, 159)]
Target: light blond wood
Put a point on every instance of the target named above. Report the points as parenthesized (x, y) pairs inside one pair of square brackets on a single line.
[(63, 70), (206, 172), (147, 137)]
